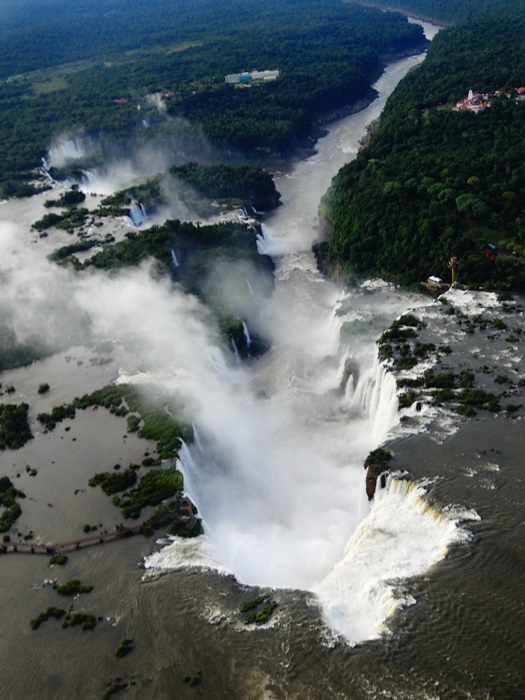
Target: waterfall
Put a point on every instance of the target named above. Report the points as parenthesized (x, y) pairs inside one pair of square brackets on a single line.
[(174, 259), (90, 177), (189, 470), (280, 478), (402, 536), (348, 375), (246, 334), (65, 152), (249, 286), (137, 214), (196, 437), (384, 403), (235, 350), (229, 375), (376, 396)]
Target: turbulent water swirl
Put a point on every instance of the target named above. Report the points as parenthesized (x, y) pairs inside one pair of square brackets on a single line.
[(277, 471)]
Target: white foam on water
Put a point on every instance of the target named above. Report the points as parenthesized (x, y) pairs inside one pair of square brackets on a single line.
[(471, 303), (184, 553), (401, 537)]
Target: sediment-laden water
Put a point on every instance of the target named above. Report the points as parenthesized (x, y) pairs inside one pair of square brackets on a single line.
[(276, 470)]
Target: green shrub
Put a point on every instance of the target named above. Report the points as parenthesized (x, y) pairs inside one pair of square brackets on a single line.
[(124, 647), (112, 483), (466, 411), (406, 399), (442, 380), (443, 395), (478, 398), (84, 620), (252, 603), (56, 613), (133, 423), (59, 559), (259, 618), (14, 426), (11, 509), (72, 587), (192, 680), (154, 487), (57, 415), (379, 457)]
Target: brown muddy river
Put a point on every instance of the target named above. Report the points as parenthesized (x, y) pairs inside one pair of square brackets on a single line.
[(458, 629)]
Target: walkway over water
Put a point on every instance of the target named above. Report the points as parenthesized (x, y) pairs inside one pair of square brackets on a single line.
[(186, 516), (31, 547)]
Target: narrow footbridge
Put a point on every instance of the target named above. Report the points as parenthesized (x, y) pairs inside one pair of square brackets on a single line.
[(32, 547)]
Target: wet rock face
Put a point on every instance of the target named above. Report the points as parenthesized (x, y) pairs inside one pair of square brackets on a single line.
[(371, 482), (376, 464)]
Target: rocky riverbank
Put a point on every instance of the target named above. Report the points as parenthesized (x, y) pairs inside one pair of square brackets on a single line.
[(456, 361)]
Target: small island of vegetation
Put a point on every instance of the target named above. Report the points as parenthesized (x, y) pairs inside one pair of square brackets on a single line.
[(14, 426), (11, 510)]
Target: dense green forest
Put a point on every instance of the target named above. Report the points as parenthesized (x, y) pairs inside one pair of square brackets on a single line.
[(450, 11), (200, 259), (434, 182), (199, 250), (226, 186), (91, 68), (248, 184)]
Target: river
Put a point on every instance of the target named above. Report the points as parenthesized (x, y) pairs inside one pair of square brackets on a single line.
[(279, 480), (276, 471)]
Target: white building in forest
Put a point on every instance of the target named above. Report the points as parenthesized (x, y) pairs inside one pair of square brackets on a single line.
[(252, 76)]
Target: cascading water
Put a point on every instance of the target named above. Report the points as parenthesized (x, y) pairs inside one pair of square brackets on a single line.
[(235, 350), (137, 214), (247, 336), (278, 473), (65, 152), (401, 537), (174, 259)]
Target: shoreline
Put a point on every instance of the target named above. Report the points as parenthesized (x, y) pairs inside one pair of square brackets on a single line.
[(159, 618), (354, 108), (324, 119), (388, 8), (477, 359)]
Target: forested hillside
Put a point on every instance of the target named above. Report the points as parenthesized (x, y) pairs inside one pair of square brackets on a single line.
[(434, 182), (93, 67), (449, 12)]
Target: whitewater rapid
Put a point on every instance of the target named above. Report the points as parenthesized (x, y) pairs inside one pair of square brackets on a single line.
[(277, 472), (276, 466)]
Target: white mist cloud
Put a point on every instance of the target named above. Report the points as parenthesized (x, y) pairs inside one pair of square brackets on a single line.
[(280, 476), (111, 163), (155, 100), (68, 148), (36, 294)]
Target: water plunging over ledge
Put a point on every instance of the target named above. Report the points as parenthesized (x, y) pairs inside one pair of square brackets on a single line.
[(277, 472)]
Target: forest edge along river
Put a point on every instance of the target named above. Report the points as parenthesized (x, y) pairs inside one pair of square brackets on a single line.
[(290, 416)]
